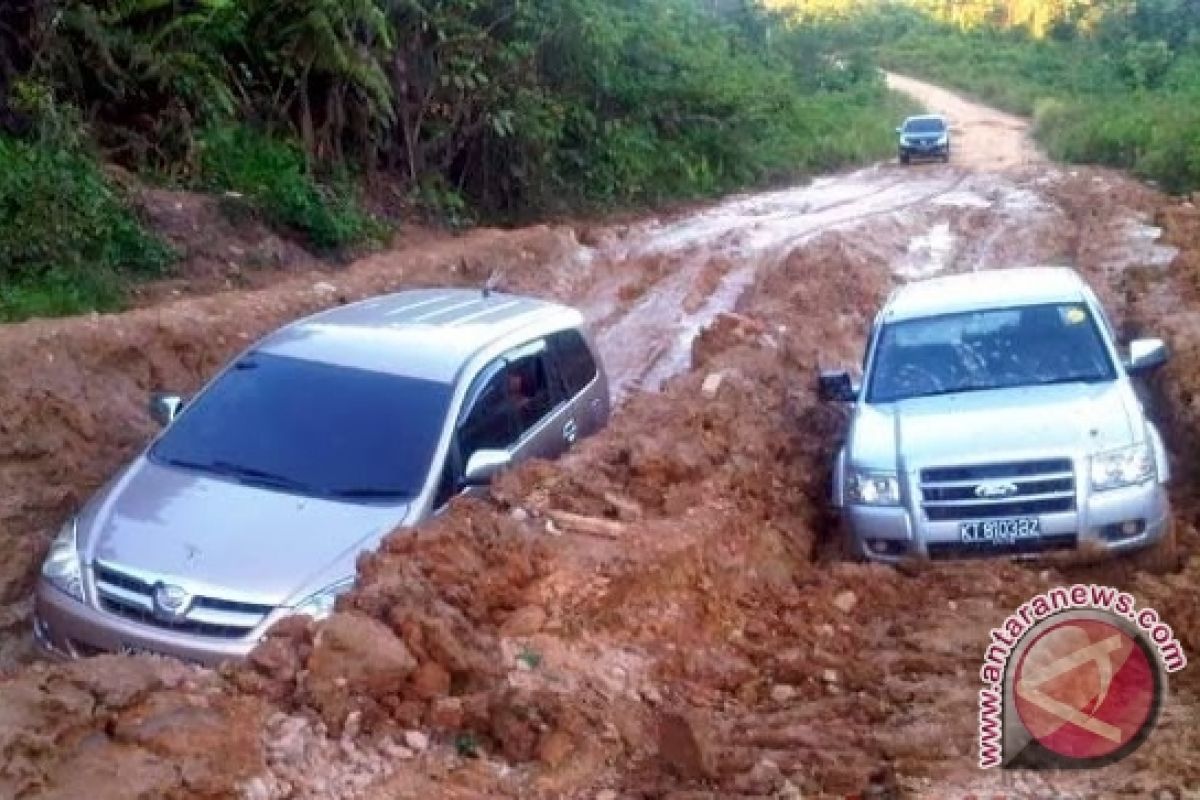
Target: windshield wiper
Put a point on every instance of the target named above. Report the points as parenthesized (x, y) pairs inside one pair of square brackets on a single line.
[(369, 494), (245, 474), (1075, 379)]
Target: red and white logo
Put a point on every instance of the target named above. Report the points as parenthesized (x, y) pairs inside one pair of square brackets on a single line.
[(1075, 677), (1084, 689)]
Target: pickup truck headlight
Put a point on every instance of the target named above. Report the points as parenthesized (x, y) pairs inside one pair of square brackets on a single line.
[(62, 567), (866, 488), (320, 604), (1128, 466)]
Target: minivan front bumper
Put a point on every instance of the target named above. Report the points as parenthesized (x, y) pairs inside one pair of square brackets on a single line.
[(66, 628), (891, 534)]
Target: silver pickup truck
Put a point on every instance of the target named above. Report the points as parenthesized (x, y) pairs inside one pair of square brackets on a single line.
[(996, 416)]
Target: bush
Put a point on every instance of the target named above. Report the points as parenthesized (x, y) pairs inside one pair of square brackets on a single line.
[(68, 240), (270, 173)]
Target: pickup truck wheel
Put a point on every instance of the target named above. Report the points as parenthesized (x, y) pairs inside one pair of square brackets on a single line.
[(1162, 556), (844, 546), (904, 158)]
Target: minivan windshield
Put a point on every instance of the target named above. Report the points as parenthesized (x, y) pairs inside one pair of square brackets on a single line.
[(311, 428), (989, 349), (924, 126)]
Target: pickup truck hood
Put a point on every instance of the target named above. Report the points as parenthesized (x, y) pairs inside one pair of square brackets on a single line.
[(999, 425)]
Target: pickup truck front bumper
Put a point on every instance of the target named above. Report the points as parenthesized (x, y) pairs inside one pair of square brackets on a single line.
[(1116, 521)]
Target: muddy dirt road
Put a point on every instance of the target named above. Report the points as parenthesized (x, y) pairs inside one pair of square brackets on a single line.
[(653, 616), (983, 138)]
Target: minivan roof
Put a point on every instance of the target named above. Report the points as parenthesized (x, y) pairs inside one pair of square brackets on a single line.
[(974, 291), (426, 333)]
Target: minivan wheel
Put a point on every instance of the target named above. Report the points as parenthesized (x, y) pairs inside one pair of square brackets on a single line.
[(904, 158)]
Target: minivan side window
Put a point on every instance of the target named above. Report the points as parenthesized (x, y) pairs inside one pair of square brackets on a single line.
[(530, 390), (488, 423), (575, 361)]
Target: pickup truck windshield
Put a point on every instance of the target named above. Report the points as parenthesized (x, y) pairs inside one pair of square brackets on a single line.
[(991, 349), (924, 126), (311, 428)]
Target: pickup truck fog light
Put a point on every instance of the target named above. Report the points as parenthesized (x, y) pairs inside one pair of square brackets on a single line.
[(872, 488), (61, 567), (1123, 530), (886, 547), (1128, 466)]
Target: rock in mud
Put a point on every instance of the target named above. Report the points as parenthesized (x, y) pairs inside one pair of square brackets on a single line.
[(686, 746), (431, 680), (524, 622), (845, 601), (355, 658)]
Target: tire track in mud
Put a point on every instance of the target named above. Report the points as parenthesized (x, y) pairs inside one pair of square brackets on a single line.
[(651, 341)]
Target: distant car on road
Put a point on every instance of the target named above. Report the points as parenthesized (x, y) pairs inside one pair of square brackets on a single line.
[(997, 417), (307, 449), (926, 136)]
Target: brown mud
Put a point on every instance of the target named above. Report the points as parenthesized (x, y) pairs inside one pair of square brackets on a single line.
[(657, 614)]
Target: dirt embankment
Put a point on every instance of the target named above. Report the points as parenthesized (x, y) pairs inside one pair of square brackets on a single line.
[(654, 615)]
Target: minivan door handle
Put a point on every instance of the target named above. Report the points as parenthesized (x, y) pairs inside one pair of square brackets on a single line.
[(571, 431)]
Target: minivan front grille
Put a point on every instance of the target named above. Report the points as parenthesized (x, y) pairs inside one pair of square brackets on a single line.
[(989, 491), (133, 598)]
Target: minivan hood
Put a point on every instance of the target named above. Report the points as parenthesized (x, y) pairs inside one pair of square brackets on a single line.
[(974, 427), (223, 539)]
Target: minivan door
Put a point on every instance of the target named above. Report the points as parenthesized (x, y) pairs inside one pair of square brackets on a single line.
[(545, 424)]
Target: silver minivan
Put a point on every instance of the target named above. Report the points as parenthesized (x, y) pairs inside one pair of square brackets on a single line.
[(257, 497)]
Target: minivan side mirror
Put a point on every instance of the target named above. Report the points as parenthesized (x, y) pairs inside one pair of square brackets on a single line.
[(164, 407), (1146, 355), (837, 387), (483, 465)]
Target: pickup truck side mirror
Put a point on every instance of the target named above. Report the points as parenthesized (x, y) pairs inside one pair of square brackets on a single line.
[(1146, 355), (165, 407), (483, 465), (837, 387)]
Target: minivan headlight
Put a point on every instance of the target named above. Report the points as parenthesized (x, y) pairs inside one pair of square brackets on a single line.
[(320, 604), (868, 488), (1128, 466), (62, 567)]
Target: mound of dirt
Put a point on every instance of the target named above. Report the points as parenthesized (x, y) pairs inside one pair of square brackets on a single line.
[(126, 727)]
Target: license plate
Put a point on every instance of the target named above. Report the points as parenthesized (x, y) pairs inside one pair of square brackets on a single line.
[(1000, 531), (136, 650)]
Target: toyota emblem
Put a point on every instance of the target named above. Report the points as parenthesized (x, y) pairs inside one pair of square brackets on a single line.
[(170, 602)]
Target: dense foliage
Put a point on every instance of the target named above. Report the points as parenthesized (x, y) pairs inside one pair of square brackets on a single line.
[(474, 108), (1121, 90)]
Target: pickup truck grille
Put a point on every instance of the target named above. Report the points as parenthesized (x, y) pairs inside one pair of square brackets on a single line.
[(133, 598), (988, 491)]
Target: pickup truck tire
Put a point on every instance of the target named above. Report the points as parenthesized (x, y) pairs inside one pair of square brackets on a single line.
[(905, 158), (842, 548), (1162, 556)]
